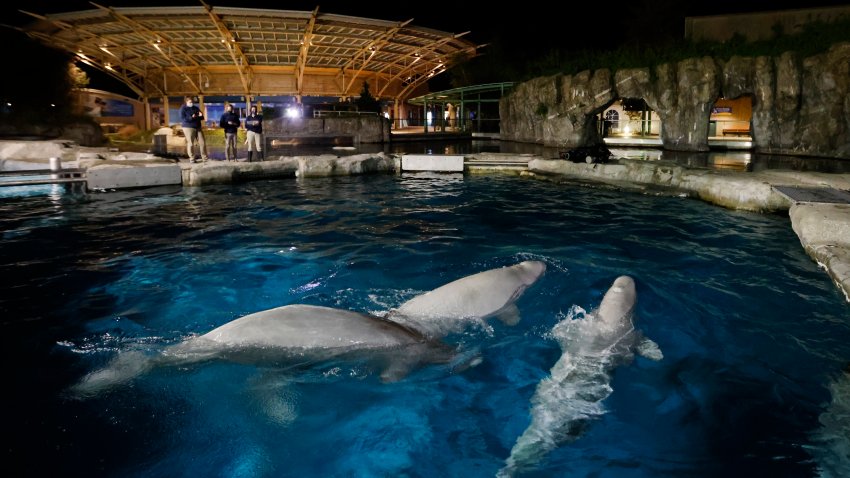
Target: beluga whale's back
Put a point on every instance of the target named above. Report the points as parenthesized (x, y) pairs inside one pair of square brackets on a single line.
[(475, 298), (572, 394)]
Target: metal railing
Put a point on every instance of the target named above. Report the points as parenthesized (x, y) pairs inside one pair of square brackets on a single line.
[(326, 113), (55, 175), (449, 125)]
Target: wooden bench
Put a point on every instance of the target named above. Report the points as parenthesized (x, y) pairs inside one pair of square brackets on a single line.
[(736, 132)]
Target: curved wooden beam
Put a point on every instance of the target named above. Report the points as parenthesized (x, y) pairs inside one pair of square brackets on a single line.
[(229, 39)]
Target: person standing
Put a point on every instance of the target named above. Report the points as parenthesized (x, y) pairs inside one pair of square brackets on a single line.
[(192, 122), (230, 123), (254, 125)]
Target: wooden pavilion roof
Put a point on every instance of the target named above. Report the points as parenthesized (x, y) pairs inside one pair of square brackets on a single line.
[(206, 50)]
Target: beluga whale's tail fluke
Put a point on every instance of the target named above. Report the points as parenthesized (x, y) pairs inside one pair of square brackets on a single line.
[(571, 396)]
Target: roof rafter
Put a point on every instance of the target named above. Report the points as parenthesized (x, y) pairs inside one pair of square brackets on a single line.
[(371, 48), (417, 56), (239, 58), (215, 50), (410, 86), (103, 66), (301, 62), (144, 31)]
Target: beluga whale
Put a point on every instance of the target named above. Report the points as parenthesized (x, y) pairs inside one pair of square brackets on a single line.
[(299, 335), (578, 383)]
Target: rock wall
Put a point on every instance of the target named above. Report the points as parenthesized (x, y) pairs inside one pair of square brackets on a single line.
[(84, 132), (801, 106), (362, 128)]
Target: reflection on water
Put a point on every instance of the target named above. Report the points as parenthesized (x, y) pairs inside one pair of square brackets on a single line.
[(637, 153), (736, 160)]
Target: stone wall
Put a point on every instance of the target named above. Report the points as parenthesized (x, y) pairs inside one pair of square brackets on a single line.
[(362, 128), (801, 106)]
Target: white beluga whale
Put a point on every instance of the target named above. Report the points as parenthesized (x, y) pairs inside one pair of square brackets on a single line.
[(475, 298), (572, 394), (299, 334)]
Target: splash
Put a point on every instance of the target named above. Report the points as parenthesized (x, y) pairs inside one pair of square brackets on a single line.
[(832, 451), (571, 396)]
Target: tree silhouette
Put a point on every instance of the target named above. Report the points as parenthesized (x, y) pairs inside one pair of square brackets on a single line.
[(367, 102)]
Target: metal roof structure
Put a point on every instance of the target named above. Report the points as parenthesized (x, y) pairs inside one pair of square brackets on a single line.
[(490, 92), (205, 50)]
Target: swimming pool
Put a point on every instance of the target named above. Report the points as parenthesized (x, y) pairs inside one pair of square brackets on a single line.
[(754, 335)]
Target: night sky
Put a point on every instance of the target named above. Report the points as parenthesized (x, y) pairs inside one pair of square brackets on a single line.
[(527, 29), (611, 21)]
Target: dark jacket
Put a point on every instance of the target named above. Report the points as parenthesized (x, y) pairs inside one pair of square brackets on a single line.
[(191, 116), (230, 122), (254, 123)]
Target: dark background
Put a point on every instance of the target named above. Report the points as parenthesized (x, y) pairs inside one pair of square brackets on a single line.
[(513, 35)]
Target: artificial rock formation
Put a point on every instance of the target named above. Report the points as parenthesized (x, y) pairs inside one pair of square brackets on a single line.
[(801, 106)]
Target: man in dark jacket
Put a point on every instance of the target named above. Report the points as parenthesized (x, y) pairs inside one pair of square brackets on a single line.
[(254, 125), (192, 122), (230, 123)]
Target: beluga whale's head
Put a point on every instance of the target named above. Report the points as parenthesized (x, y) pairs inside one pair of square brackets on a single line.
[(619, 302)]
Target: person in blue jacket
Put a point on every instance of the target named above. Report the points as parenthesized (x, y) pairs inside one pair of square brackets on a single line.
[(230, 123), (254, 125), (192, 123)]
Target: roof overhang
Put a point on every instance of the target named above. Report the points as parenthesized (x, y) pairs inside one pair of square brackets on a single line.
[(205, 50)]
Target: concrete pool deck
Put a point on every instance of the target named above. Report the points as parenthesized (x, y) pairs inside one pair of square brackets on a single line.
[(815, 202)]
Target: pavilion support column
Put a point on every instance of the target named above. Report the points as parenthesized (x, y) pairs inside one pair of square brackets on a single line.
[(203, 108), (425, 114), (443, 117), (165, 114), (147, 121), (396, 114), (462, 114), (248, 100)]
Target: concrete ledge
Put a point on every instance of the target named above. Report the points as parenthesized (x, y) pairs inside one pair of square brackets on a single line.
[(329, 165), (824, 232), (734, 190), (119, 176), (432, 162), (223, 172)]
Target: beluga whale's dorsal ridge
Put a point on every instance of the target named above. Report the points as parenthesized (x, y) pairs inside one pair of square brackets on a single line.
[(301, 334), (572, 394), (471, 299)]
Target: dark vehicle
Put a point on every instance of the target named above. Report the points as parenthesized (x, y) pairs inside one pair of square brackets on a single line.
[(586, 154)]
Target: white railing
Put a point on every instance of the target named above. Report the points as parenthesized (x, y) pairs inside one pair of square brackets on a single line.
[(324, 113)]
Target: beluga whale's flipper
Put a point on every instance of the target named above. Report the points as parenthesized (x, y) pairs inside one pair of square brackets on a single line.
[(572, 394)]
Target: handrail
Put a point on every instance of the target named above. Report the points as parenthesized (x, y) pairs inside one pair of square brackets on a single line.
[(34, 182), (40, 172), (56, 174)]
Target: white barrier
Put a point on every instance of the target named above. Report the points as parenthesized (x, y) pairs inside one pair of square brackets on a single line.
[(432, 162)]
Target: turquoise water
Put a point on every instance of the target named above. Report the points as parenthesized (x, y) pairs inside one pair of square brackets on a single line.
[(754, 334)]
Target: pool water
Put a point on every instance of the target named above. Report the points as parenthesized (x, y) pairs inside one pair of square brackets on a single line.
[(754, 335)]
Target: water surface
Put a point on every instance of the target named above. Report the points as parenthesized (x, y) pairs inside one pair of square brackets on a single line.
[(754, 334)]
